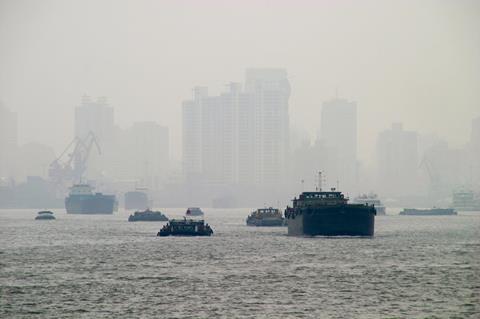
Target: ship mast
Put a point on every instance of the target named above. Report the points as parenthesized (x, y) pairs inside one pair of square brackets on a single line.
[(319, 187)]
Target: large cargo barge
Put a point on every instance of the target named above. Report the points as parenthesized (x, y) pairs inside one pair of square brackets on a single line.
[(329, 214), (82, 200), (428, 212)]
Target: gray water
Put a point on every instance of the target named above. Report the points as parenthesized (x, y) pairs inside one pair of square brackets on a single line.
[(105, 267)]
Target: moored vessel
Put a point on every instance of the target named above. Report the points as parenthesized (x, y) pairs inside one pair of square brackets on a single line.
[(371, 199), (45, 215), (185, 227), (428, 212), (266, 217), (147, 216), (82, 200)]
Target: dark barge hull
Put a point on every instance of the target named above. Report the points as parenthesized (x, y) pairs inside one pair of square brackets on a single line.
[(164, 234), (346, 220), (266, 222)]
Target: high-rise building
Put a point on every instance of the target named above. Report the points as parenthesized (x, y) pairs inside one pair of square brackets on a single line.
[(339, 134), (397, 161), (271, 91), (192, 134), (240, 136), (210, 136), (94, 116), (8, 139), (150, 144), (97, 117)]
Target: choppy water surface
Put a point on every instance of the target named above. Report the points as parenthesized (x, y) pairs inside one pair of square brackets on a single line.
[(103, 266)]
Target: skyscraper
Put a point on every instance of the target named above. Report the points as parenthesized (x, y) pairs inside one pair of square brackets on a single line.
[(240, 136), (150, 144), (271, 91), (192, 134), (95, 116), (397, 161), (339, 134)]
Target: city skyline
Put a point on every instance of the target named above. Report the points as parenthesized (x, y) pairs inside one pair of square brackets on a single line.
[(399, 72)]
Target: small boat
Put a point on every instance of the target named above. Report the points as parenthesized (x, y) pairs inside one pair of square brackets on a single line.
[(266, 217), (148, 216), (185, 227), (45, 215), (194, 211), (428, 212)]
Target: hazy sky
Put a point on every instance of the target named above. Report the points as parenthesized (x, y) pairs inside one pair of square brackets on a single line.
[(412, 61)]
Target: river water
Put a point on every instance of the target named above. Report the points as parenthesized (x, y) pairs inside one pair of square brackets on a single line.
[(105, 267)]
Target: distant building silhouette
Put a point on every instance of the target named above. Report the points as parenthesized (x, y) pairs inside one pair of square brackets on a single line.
[(271, 90), (8, 140), (397, 161), (240, 136), (339, 134), (95, 116)]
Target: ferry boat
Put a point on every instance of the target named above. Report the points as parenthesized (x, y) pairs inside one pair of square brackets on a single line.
[(147, 216), (328, 213), (371, 199), (45, 215), (194, 211), (428, 212), (466, 200), (266, 217), (185, 227), (82, 200)]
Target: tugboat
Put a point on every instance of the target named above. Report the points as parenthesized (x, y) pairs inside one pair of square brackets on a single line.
[(45, 215), (428, 212), (148, 216), (82, 200), (371, 199), (329, 214), (185, 227), (266, 217), (194, 211)]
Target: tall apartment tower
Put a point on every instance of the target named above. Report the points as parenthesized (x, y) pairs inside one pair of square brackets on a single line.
[(339, 134), (8, 139), (270, 89), (240, 136), (95, 116), (150, 144), (397, 161), (192, 134)]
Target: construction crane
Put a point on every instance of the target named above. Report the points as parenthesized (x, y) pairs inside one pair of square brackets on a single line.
[(71, 165)]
